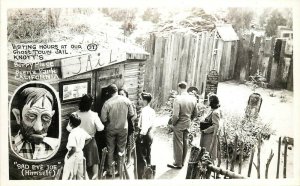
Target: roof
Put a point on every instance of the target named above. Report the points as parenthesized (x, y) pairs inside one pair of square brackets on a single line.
[(227, 33)]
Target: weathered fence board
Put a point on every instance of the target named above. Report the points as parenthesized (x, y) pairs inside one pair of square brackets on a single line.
[(269, 57), (185, 56)]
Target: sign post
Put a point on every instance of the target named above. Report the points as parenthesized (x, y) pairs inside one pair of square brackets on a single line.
[(212, 81)]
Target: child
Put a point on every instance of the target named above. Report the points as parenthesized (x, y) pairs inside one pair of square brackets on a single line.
[(145, 138), (74, 166)]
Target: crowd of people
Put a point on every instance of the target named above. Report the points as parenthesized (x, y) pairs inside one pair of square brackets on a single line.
[(123, 129)]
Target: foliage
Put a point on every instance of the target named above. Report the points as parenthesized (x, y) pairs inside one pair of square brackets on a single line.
[(27, 25), (257, 80), (283, 98), (80, 28), (276, 19), (118, 14), (247, 130), (151, 14), (240, 18)]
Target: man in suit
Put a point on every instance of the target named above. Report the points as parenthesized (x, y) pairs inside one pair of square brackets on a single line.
[(184, 111)]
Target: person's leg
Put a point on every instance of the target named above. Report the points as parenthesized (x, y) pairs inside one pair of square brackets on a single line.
[(121, 141), (111, 144), (140, 160), (148, 144), (185, 144), (178, 147)]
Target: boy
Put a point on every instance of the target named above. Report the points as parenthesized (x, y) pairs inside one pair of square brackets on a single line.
[(145, 138), (74, 166)]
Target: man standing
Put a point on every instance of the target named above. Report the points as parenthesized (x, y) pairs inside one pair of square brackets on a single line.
[(114, 116), (184, 111), (34, 116)]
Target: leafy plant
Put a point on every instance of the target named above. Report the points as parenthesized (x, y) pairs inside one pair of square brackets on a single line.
[(247, 130)]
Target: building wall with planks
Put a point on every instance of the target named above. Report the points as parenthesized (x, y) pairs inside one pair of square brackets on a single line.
[(271, 57), (186, 56), (131, 78)]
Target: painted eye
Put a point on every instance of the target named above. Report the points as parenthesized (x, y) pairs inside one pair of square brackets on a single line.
[(46, 118), (31, 116)]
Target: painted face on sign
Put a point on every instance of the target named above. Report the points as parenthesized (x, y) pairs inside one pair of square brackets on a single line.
[(35, 119)]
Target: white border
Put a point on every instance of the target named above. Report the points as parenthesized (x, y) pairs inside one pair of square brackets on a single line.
[(150, 3)]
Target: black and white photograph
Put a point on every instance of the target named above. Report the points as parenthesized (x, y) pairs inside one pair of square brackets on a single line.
[(151, 93)]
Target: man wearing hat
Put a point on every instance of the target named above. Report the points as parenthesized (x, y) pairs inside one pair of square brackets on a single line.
[(184, 111)]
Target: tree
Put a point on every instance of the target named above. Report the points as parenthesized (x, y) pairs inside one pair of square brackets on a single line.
[(275, 20), (152, 15), (240, 18)]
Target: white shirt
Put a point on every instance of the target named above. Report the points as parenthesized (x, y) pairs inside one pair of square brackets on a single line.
[(146, 119), (90, 122), (77, 139)]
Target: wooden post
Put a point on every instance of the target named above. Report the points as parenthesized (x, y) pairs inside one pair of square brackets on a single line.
[(103, 157), (135, 163), (126, 175), (194, 155), (233, 159), (241, 157), (278, 157), (285, 156), (251, 162), (258, 157), (268, 163), (218, 153), (227, 153)]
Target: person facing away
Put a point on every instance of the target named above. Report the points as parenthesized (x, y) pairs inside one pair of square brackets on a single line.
[(73, 168), (184, 111), (145, 138), (114, 115), (90, 122), (209, 136), (131, 128)]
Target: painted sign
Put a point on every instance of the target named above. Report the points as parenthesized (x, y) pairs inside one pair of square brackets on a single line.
[(211, 83), (80, 64)]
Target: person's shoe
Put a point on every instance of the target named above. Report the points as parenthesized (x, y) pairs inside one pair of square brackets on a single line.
[(173, 166)]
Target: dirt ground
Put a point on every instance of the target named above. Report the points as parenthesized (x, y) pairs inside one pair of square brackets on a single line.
[(233, 98)]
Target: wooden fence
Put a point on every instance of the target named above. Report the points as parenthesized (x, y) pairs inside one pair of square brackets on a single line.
[(184, 56), (201, 167), (272, 57)]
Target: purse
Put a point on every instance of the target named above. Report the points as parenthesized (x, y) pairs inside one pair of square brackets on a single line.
[(206, 123)]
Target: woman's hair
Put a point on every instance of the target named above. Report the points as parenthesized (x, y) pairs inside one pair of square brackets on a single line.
[(146, 96), (126, 93), (75, 120), (214, 101), (85, 103)]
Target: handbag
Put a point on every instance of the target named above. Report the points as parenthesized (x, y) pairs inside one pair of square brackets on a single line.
[(206, 123)]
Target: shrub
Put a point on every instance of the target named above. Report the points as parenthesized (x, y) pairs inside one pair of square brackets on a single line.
[(247, 130), (26, 25), (80, 28), (152, 15)]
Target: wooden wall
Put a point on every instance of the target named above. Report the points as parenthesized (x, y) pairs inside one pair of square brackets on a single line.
[(179, 56), (257, 54), (132, 79)]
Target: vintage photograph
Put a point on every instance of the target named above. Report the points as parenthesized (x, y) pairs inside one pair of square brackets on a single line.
[(151, 93)]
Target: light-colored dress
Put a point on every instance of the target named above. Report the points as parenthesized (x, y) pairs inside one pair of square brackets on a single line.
[(73, 168), (210, 136)]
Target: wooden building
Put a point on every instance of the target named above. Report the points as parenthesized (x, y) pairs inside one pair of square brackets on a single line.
[(125, 69), (183, 55)]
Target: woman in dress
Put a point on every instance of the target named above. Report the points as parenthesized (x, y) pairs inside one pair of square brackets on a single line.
[(209, 135), (91, 123)]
